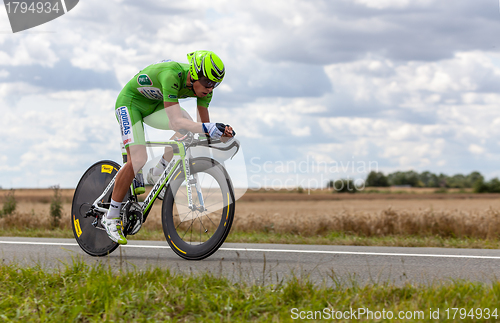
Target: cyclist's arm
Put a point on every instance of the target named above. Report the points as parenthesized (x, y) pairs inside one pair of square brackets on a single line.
[(203, 115), (177, 122)]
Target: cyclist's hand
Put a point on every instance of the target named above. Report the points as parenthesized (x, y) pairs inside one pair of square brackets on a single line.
[(216, 130), (228, 131)]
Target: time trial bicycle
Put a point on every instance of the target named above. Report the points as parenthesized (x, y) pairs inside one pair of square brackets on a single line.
[(198, 201)]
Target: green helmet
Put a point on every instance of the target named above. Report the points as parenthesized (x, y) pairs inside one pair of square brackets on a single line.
[(206, 67)]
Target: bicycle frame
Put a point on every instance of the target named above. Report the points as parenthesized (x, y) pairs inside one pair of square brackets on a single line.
[(181, 155)]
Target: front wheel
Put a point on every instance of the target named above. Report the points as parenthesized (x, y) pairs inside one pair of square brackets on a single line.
[(88, 231), (197, 234)]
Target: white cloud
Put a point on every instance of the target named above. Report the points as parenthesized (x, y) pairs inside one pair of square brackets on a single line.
[(384, 4), (30, 50), (378, 80), (476, 149)]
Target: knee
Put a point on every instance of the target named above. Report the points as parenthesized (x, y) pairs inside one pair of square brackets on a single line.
[(138, 160), (169, 152)]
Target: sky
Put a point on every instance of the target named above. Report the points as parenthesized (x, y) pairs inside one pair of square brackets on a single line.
[(316, 90)]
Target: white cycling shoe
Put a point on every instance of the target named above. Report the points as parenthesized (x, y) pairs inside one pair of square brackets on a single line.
[(114, 229), (152, 179)]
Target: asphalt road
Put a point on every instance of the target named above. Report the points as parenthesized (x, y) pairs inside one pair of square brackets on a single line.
[(269, 263)]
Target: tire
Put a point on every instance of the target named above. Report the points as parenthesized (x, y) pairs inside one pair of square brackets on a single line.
[(93, 240), (212, 226)]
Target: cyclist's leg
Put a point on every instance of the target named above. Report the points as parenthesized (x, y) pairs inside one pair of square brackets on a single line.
[(137, 156), (132, 130), (159, 120), (169, 151)]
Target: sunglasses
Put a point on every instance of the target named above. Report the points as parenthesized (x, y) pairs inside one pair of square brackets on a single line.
[(208, 83)]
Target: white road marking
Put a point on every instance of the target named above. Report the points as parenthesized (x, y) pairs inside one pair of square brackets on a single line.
[(278, 250)]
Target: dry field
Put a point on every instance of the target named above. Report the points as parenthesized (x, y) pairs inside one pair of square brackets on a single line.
[(451, 215)]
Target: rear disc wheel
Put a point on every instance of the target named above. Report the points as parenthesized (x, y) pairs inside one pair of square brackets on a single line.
[(88, 231)]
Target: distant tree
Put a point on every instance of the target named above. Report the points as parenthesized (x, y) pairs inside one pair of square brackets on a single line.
[(457, 181), (480, 187), (493, 186), (443, 180), (473, 177), (410, 178), (429, 179), (345, 186), (376, 179)]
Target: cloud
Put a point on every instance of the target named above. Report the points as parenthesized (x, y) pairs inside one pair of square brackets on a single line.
[(407, 84), (28, 51), (62, 76), (476, 149), (79, 127), (346, 31)]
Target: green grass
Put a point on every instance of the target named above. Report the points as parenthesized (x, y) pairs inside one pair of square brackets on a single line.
[(80, 293), (333, 238)]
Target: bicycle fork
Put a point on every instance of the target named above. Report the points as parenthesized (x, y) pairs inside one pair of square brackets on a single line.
[(196, 182)]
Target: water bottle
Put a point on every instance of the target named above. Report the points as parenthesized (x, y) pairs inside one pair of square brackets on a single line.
[(139, 183)]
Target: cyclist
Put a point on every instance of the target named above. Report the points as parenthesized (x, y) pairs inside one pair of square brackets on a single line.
[(152, 97)]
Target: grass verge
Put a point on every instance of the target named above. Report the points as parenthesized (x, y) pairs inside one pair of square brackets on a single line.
[(81, 293)]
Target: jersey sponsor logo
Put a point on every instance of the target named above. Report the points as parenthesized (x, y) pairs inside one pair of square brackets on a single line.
[(175, 86), (171, 96), (152, 93), (163, 61), (144, 80), (180, 74), (125, 125)]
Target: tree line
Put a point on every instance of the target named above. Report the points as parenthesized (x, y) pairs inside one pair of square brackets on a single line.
[(473, 180)]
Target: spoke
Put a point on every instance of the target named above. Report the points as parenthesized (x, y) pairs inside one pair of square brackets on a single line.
[(211, 220), (179, 213), (212, 195), (207, 206), (182, 222), (182, 191), (209, 187), (185, 213), (200, 231), (191, 240), (201, 222), (182, 204), (212, 192), (191, 226), (208, 196)]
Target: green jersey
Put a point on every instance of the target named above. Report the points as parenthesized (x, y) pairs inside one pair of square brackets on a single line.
[(141, 100), (163, 81)]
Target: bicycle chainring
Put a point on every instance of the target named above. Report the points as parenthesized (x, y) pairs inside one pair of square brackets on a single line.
[(132, 218)]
